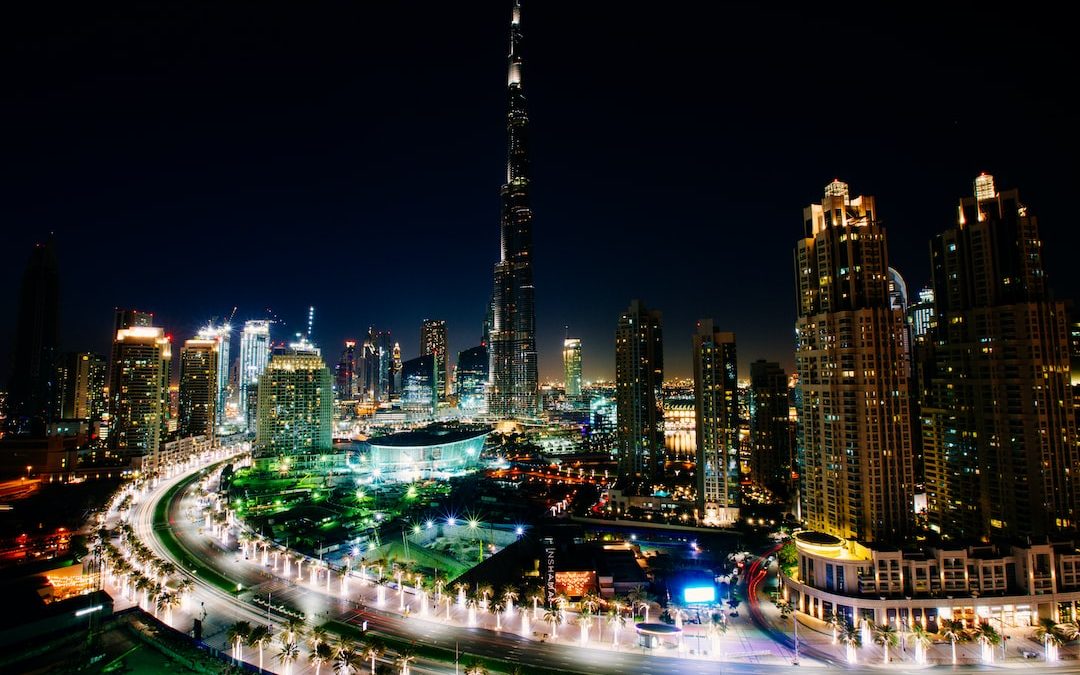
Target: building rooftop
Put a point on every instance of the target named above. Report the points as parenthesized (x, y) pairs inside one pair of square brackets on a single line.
[(435, 434)]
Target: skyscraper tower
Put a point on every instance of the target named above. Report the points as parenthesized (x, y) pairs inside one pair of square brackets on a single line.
[(571, 358), (220, 334), (716, 417), (345, 373), (639, 397), (855, 433), (1000, 436), (139, 388), (771, 460), (295, 403), (513, 390), (81, 386), (199, 360), (33, 370), (254, 354), (433, 340)]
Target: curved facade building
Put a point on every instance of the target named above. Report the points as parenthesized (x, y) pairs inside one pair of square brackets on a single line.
[(433, 451)]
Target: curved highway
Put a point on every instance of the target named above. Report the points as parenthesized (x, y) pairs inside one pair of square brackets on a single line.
[(220, 609)]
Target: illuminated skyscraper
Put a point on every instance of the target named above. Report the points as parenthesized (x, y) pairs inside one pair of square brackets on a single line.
[(420, 385), (513, 390), (139, 388), (395, 373), (199, 361), (433, 340), (295, 403), (33, 368), (345, 373), (471, 378), (920, 315), (571, 359), (220, 334), (855, 433), (254, 355), (716, 416), (1000, 439), (639, 396), (378, 356), (80, 384)]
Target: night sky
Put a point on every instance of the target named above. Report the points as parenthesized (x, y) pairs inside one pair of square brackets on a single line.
[(191, 157)]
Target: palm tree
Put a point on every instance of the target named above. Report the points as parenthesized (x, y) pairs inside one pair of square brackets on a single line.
[(1068, 630), (497, 608), (832, 621), (954, 632), (373, 649), (320, 655), (851, 638), (345, 659), (475, 667), (317, 636), (923, 639), (590, 601), (460, 588), (885, 636), (616, 620), (294, 628), (483, 591), (554, 617), (237, 634), (258, 637), (1048, 632), (988, 638), (405, 657), (287, 655), (537, 597), (509, 596), (716, 628)]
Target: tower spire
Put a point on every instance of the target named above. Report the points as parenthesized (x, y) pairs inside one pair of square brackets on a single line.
[(513, 355)]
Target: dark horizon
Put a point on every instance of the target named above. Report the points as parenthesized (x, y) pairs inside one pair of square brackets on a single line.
[(192, 158)]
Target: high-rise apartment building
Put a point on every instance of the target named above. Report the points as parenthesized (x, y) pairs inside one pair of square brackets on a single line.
[(433, 340), (639, 397), (854, 433), (514, 379), (254, 355), (199, 361), (295, 403), (139, 389), (471, 379), (571, 359), (31, 386), (771, 429), (220, 334), (716, 424), (1000, 427), (80, 382)]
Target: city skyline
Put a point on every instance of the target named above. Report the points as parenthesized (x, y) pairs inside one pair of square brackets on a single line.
[(653, 167)]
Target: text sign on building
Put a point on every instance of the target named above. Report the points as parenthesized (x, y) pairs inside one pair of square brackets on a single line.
[(549, 571)]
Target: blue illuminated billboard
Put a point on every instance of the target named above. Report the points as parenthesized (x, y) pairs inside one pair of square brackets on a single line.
[(692, 594)]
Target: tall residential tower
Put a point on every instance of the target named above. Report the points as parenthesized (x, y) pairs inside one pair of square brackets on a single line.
[(639, 397), (716, 418), (999, 427), (514, 377), (855, 433)]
